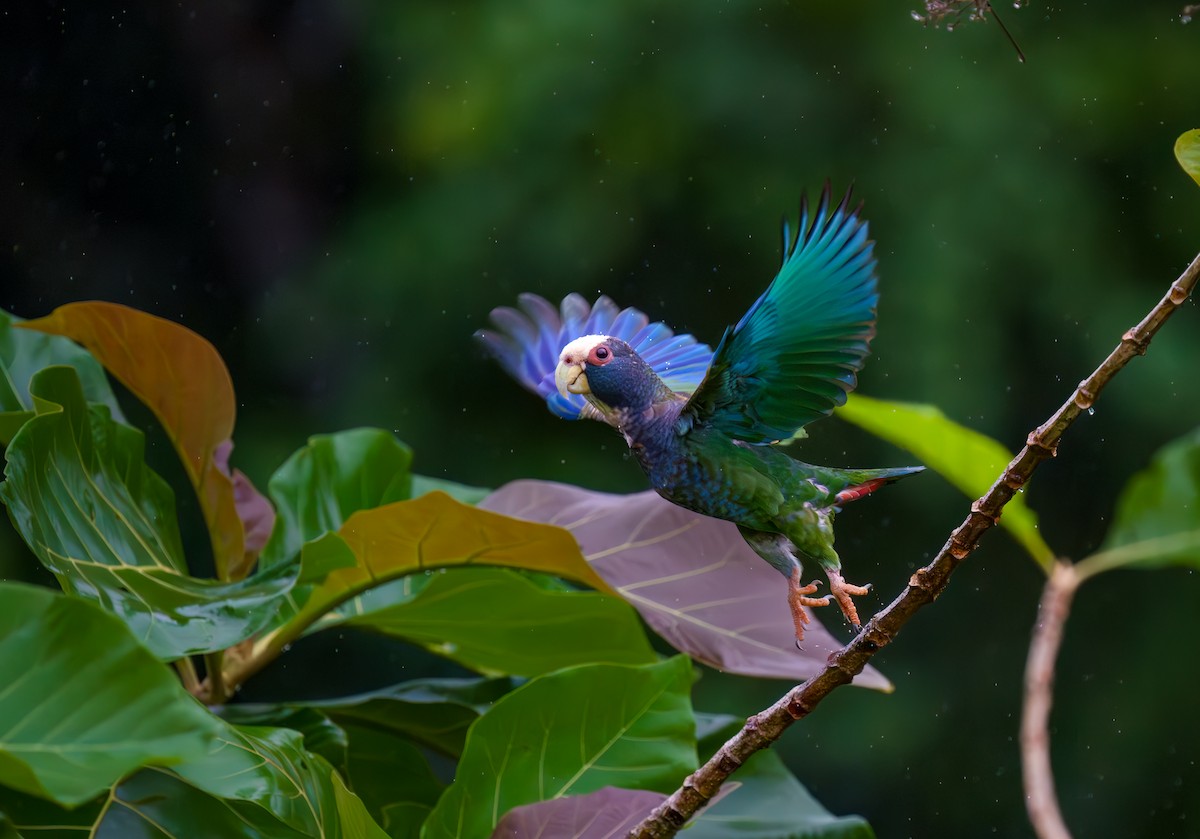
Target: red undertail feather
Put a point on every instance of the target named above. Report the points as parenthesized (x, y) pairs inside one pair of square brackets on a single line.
[(860, 490)]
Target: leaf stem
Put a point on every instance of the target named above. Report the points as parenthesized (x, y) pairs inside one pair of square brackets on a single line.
[(262, 652), (764, 728), (188, 675), (217, 692), (1041, 800)]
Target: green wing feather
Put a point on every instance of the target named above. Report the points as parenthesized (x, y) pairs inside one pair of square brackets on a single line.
[(794, 355)]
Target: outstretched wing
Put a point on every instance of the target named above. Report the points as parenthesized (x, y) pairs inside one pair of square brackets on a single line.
[(793, 356), (527, 341)]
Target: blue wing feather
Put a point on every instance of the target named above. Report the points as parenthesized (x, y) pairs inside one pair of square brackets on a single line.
[(794, 356), (527, 341)]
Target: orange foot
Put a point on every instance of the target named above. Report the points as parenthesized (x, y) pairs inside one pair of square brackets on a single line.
[(798, 598), (841, 591)]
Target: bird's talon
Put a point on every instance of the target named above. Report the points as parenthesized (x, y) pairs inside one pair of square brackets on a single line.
[(842, 591)]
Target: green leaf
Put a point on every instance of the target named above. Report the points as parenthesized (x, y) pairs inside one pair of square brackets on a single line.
[(765, 801), (568, 733), (497, 622), (432, 712), (333, 476), (970, 461), (393, 779), (23, 353), (161, 805), (271, 769), (83, 703), (81, 496), (1187, 152), (321, 735), (181, 378), (423, 534), (1157, 520), (459, 492)]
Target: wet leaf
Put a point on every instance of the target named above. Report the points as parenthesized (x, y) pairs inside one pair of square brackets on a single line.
[(497, 622), (80, 494), (182, 379), (252, 782), (435, 713), (23, 353), (316, 489), (424, 534), (269, 768), (1157, 519), (970, 461), (330, 478), (692, 578), (570, 732), (1187, 152), (83, 703)]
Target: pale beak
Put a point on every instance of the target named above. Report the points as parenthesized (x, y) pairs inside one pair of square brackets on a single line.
[(570, 378)]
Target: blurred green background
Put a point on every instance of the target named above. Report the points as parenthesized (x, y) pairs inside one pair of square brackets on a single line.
[(336, 194)]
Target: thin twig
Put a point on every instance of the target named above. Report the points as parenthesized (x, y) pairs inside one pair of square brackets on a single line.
[(1040, 798), (764, 728)]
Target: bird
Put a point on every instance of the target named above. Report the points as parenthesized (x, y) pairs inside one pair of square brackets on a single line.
[(712, 428)]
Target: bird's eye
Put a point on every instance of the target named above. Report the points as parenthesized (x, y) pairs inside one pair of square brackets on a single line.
[(601, 355)]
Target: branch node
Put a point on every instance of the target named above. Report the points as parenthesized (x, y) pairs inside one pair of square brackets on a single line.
[(977, 508), (798, 708), (1134, 337), (1084, 398), (1178, 293), (1034, 441), (956, 549), (1013, 480)]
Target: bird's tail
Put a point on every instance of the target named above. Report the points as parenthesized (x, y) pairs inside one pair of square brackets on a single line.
[(866, 481)]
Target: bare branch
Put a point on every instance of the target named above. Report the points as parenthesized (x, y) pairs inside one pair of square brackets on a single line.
[(763, 729), (1040, 798)]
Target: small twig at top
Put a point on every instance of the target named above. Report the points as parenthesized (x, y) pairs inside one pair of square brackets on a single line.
[(764, 728)]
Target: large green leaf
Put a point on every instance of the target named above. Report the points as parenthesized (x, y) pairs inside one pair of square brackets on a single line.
[(253, 782), (376, 546), (435, 713), (269, 768), (568, 733), (762, 801), (496, 621), (82, 702), (1157, 520), (330, 478), (1187, 152), (393, 779), (967, 459), (80, 494), (23, 353), (182, 379)]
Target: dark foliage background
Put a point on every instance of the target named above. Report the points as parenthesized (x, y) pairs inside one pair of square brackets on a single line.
[(336, 194)]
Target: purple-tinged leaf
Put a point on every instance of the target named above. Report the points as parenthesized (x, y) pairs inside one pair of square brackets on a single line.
[(253, 508), (692, 578), (604, 814)]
